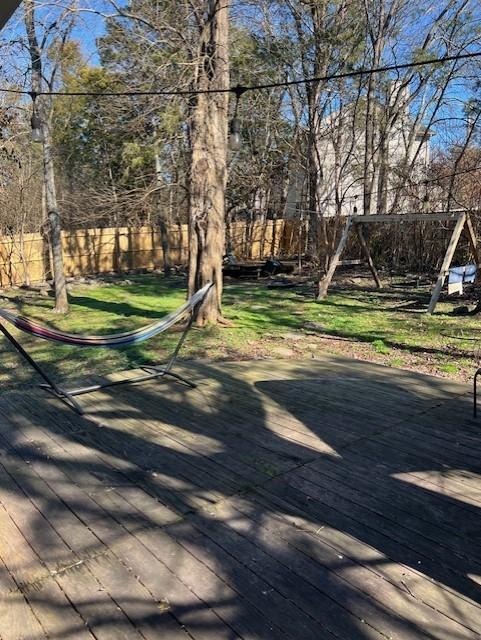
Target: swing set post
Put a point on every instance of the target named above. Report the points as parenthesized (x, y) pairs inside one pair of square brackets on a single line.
[(463, 222)]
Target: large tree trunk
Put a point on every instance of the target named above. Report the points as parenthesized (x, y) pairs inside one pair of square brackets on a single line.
[(208, 172), (43, 112)]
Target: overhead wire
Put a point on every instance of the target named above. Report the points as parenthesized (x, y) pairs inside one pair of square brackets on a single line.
[(240, 89)]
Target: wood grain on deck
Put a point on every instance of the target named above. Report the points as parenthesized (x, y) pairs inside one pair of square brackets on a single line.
[(316, 499)]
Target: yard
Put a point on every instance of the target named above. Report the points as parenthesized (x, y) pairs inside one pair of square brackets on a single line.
[(386, 326)]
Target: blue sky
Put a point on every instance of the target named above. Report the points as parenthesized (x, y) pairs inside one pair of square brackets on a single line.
[(90, 28)]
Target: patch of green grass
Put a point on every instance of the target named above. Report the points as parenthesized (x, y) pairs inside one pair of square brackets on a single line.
[(355, 319), (396, 362), (380, 347), (449, 368)]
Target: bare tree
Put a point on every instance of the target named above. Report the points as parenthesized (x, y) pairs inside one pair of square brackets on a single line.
[(43, 73)]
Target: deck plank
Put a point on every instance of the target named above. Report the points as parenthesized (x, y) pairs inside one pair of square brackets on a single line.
[(315, 538), (384, 605), (17, 621), (326, 498), (367, 525)]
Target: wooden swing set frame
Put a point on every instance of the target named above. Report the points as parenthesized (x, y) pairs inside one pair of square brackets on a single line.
[(357, 222)]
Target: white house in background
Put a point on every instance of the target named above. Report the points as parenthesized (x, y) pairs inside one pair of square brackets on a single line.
[(342, 145)]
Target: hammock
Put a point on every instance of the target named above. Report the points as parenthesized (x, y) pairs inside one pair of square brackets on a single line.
[(112, 341)]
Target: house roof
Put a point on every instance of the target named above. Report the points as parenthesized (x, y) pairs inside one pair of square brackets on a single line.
[(7, 7)]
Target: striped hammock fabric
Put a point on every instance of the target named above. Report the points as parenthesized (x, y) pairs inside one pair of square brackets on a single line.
[(114, 340)]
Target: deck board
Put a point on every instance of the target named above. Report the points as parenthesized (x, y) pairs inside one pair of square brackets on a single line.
[(328, 498), (320, 572)]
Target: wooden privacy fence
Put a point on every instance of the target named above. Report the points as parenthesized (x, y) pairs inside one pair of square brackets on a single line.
[(26, 259)]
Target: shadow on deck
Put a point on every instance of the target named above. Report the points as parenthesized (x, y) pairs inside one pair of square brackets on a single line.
[(318, 499)]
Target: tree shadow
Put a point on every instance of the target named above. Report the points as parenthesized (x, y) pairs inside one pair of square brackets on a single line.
[(124, 309), (294, 505), (387, 485)]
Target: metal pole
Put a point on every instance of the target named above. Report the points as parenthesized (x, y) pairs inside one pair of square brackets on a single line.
[(28, 358), (50, 384), (68, 396), (475, 394)]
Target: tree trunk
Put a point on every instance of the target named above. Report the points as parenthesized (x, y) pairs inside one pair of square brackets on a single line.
[(43, 113), (317, 223), (117, 254), (54, 225), (208, 171), (161, 214)]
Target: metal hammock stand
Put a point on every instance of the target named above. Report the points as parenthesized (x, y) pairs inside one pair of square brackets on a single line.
[(67, 396)]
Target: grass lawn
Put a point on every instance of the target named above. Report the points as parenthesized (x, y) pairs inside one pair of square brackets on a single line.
[(384, 326)]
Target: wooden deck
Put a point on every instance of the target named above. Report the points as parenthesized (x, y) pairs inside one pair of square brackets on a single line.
[(306, 500)]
